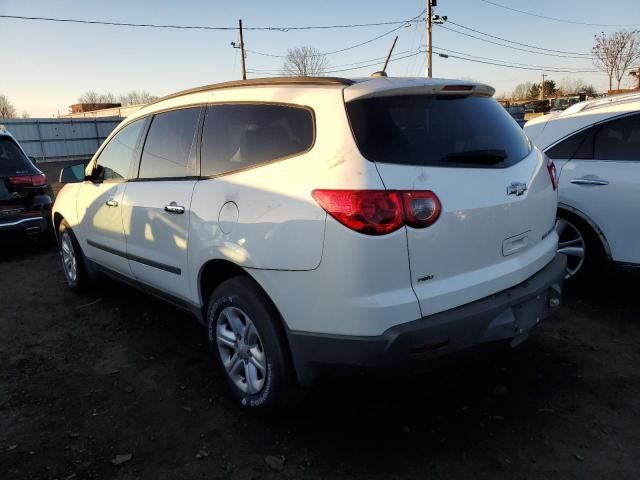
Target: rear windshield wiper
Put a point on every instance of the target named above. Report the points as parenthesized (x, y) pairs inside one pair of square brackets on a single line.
[(477, 157)]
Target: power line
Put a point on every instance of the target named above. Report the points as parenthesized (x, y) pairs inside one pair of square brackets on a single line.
[(515, 66), (358, 64), (206, 27), (351, 47), (441, 52), (517, 43), (512, 47), (508, 62), (334, 70), (561, 20)]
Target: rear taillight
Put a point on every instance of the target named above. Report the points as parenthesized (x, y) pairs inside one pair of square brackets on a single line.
[(553, 174), (378, 212), (421, 208), (28, 180), (374, 212)]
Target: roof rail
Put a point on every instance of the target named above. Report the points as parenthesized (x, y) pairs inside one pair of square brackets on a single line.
[(259, 82), (613, 99)]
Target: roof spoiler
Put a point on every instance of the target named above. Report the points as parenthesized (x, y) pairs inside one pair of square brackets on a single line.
[(452, 89)]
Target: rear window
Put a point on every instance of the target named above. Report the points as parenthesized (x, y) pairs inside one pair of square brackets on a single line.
[(437, 130), (12, 160)]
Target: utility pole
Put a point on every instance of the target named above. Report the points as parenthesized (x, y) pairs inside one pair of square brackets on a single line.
[(386, 62), (542, 87), (429, 66), (244, 68)]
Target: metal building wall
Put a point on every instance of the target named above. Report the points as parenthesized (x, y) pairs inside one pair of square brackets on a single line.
[(55, 139)]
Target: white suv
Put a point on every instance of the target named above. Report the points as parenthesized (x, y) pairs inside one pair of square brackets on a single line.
[(596, 147), (315, 224)]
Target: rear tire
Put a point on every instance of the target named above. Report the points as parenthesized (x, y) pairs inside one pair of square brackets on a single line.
[(73, 264), (585, 252), (250, 346)]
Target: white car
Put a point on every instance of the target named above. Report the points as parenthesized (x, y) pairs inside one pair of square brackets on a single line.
[(323, 225), (596, 148)]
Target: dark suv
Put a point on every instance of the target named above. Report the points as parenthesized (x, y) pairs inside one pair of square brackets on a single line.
[(25, 193)]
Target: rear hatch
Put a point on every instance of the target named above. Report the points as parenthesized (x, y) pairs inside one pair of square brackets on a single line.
[(497, 200), (20, 180)]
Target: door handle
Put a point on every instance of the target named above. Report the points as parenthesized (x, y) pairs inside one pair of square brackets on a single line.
[(111, 203), (173, 207), (589, 181)]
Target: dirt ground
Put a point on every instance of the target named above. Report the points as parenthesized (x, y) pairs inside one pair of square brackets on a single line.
[(86, 380)]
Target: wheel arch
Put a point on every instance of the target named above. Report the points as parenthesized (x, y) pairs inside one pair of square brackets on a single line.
[(213, 272), (57, 220), (583, 216)]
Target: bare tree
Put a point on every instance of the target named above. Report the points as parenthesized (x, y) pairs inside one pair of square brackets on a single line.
[(572, 86), (25, 114), (135, 97), (616, 53), (94, 97), (7, 110), (305, 61), (520, 92)]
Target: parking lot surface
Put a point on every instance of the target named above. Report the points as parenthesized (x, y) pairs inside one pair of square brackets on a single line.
[(114, 384)]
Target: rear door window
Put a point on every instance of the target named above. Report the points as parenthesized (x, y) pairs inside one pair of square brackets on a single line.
[(167, 149), (115, 159), (618, 140), (437, 130), (237, 136), (12, 160)]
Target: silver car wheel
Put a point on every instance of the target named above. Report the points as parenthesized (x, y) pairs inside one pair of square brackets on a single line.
[(69, 262), (572, 244), (241, 350)]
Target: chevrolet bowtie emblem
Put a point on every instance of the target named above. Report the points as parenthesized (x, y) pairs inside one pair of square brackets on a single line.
[(517, 189)]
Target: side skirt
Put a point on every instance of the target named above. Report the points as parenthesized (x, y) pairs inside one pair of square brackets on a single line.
[(149, 290)]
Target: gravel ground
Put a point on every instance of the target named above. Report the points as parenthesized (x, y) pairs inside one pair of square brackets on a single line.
[(118, 385)]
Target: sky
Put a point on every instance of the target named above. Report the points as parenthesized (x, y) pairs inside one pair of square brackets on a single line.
[(46, 66)]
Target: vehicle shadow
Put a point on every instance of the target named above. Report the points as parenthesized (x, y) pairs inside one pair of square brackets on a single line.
[(22, 247)]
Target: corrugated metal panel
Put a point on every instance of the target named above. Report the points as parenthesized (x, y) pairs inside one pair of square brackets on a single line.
[(53, 139)]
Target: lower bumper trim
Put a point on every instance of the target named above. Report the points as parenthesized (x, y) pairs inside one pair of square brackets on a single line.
[(505, 316)]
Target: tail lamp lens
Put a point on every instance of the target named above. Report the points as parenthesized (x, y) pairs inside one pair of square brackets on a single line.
[(28, 180), (421, 208), (553, 174), (373, 212), (378, 212)]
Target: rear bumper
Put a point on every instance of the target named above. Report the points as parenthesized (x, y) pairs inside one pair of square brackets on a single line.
[(34, 218), (28, 225), (505, 316)]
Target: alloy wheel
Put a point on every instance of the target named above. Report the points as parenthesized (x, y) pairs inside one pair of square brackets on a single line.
[(69, 262), (572, 244), (241, 350)]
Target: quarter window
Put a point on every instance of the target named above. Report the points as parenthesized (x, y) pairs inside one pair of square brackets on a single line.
[(566, 149), (115, 159), (166, 152), (237, 136)]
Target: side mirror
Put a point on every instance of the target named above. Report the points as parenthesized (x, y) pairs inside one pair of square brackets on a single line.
[(72, 173)]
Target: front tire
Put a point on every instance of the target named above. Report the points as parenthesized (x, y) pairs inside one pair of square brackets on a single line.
[(73, 265), (246, 334)]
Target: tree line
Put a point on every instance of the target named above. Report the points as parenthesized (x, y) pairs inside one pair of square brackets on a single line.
[(133, 97), (567, 86)]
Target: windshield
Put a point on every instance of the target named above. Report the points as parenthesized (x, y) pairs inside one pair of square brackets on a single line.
[(12, 160), (437, 130)]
